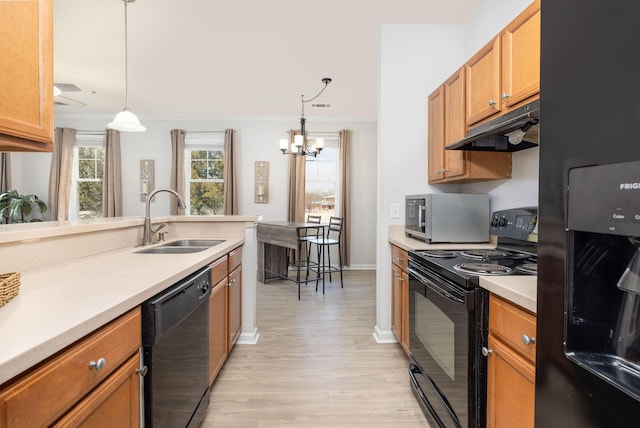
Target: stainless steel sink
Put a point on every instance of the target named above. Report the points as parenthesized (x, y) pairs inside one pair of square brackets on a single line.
[(171, 250), (193, 243)]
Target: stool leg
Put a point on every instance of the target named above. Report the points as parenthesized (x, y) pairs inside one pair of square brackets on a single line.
[(340, 266), (329, 254)]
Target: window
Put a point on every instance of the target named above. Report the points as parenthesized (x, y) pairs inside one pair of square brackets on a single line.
[(204, 173), (322, 178), (88, 166)]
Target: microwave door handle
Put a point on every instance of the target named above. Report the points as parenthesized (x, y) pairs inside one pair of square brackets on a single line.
[(421, 225), (433, 286)]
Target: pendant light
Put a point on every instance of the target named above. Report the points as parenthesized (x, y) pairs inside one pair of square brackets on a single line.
[(126, 121), (300, 147)]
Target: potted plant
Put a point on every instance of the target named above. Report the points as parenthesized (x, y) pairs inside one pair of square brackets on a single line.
[(15, 208)]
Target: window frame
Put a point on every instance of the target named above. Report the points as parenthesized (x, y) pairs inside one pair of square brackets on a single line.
[(83, 139), (331, 139), (200, 141)]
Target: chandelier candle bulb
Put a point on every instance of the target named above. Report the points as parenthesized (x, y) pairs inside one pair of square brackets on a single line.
[(283, 144), (320, 143)]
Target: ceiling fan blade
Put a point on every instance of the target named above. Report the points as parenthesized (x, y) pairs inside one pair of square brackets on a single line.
[(66, 101)]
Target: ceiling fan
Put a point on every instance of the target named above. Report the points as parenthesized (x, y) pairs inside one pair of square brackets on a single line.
[(63, 100)]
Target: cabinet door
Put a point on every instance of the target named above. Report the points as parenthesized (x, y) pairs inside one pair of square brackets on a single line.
[(26, 86), (404, 295), (454, 124), (436, 135), (234, 306), (217, 329), (521, 57), (510, 388), (396, 301), (483, 83), (115, 403)]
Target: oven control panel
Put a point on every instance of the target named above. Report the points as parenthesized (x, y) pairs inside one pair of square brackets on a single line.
[(516, 223)]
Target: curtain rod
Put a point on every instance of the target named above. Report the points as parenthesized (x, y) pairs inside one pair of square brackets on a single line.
[(84, 131), (205, 132)]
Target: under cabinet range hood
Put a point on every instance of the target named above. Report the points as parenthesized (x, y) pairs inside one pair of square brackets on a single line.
[(511, 132)]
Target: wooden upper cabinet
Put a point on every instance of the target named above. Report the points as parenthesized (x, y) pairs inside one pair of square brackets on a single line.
[(521, 57), (26, 85), (454, 124), (483, 83), (447, 124), (436, 135)]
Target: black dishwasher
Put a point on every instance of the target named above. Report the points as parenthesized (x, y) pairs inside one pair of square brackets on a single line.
[(175, 338)]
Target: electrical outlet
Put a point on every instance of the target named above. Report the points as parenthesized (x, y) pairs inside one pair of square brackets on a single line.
[(395, 210)]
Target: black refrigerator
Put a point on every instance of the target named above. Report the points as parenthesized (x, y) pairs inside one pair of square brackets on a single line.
[(588, 314)]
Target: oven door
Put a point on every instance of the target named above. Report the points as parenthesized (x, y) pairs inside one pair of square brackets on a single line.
[(445, 366)]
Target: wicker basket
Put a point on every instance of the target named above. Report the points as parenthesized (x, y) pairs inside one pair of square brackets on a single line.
[(9, 286)]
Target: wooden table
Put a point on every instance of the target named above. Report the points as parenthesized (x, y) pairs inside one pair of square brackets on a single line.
[(274, 239)]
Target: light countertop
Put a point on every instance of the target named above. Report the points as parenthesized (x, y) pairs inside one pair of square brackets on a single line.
[(518, 289), (58, 305)]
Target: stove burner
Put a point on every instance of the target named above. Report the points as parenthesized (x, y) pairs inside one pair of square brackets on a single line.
[(440, 254), (483, 254), (482, 268), (528, 268)]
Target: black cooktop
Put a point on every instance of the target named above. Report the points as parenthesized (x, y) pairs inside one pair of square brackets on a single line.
[(466, 266)]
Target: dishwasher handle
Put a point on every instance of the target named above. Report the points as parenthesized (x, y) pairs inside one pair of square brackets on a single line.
[(168, 309)]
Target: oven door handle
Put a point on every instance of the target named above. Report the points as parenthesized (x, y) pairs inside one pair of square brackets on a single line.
[(413, 369), (433, 286)]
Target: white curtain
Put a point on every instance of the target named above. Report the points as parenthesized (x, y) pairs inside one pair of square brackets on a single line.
[(112, 176), (177, 167), (230, 180), (5, 172), (61, 173)]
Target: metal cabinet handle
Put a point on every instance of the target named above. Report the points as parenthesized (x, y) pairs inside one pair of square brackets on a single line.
[(399, 259), (143, 371), (97, 366), (504, 96), (231, 283), (528, 340), (492, 103), (486, 351)]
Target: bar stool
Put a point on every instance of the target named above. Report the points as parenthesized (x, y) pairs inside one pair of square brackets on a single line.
[(324, 244)]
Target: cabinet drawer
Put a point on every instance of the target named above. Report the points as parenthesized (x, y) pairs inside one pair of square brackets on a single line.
[(219, 270), (50, 389), (235, 258), (511, 323), (399, 257)]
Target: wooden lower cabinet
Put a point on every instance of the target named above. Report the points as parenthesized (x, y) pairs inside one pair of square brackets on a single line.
[(511, 370), (90, 383), (115, 403), (400, 296), (225, 304), (234, 299), (218, 349)]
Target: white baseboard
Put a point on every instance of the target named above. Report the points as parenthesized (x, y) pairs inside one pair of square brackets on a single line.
[(384, 336), (249, 338)]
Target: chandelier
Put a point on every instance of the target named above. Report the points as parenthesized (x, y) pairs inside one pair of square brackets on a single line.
[(300, 146), (126, 120)]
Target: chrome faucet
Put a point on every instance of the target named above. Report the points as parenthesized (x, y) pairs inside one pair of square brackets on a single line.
[(148, 231)]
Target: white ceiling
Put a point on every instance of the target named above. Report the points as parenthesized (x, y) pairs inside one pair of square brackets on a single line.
[(231, 58)]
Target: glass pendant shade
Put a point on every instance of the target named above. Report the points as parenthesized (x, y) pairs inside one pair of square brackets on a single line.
[(126, 121)]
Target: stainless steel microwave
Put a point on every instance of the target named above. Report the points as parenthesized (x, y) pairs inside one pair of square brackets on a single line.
[(448, 217)]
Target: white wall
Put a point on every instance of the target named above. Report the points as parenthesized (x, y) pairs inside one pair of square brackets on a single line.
[(415, 59), (257, 139)]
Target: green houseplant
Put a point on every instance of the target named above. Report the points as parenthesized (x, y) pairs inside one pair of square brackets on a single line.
[(15, 208)]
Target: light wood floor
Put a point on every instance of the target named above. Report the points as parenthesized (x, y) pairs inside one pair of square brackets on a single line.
[(316, 364)]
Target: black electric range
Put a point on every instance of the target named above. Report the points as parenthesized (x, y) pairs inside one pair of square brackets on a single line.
[(448, 318)]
